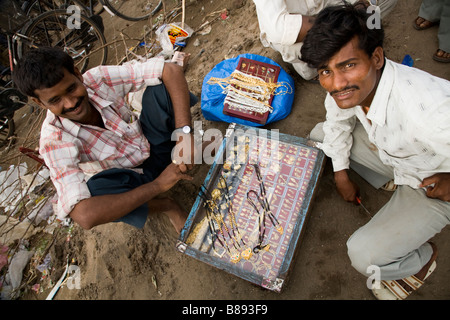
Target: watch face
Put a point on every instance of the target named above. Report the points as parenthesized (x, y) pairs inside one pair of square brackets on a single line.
[(186, 129)]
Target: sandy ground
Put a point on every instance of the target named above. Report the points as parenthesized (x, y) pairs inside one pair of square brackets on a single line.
[(118, 261)]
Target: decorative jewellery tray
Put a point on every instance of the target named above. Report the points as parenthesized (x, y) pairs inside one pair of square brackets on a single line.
[(252, 208)]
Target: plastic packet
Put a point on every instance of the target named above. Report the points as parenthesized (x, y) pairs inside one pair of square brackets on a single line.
[(171, 35)]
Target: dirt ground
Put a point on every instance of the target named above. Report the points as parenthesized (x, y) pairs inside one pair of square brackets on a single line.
[(118, 261)]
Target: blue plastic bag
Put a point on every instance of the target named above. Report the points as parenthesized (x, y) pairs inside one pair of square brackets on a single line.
[(408, 61), (213, 96)]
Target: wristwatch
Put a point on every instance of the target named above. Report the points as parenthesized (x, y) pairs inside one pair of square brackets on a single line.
[(183, 129)]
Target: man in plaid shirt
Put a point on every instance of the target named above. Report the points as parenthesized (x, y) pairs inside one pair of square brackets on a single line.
[(106, 163)]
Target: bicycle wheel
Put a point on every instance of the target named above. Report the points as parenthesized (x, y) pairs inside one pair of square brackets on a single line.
[(85, 42), (133, 10), (37, 7), (6, 129)]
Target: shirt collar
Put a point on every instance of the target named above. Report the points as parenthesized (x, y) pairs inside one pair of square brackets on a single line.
[(378, 107), (96, 100)]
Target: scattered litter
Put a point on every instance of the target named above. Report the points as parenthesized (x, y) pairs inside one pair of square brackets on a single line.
[(36, 287), (12, 229), (34, 180), (155, 284), (408, 61), (44, 267), (42, 210), (205, 29), (3, 256), (59, 283), (169, 35), (224, 15), (14, 275), (10, 190)]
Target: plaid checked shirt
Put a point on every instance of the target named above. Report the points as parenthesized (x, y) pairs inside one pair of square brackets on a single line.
[(74, 152)]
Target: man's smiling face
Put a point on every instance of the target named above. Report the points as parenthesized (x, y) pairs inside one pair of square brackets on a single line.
[(351, 76), (67, 99)]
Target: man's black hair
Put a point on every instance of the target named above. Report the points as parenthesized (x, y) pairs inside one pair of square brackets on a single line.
[(41, 68), (333, 28)]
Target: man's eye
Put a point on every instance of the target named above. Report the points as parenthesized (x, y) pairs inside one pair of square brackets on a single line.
[(349, 65), (55, 101), (325, 72)]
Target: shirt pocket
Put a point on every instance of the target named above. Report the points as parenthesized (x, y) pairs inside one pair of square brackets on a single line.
[(423, 159)]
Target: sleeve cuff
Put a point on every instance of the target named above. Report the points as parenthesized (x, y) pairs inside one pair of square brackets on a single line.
[(67, 202), (340, 164)]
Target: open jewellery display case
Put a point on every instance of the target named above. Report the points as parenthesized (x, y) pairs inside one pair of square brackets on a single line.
[(252, 209), (264, 71)]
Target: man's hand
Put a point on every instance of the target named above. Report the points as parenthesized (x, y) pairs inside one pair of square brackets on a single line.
[(345, 187), (183, 151), (438, 186), (171, 175)]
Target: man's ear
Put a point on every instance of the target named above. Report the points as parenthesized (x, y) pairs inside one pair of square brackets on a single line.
[(378, 57), (38, 102), (78, 74)]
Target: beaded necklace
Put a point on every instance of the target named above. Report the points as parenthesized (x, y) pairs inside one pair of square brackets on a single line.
[(218, 227)]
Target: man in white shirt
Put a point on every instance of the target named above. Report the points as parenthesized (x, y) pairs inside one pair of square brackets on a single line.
[(392, 121), (284, 23)]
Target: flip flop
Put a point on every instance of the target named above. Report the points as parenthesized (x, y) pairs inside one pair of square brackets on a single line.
[(440, 59), (427, 26), (389, 186), (392, 290)]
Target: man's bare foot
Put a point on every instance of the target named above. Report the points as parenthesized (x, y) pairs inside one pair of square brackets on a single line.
[(172, 209), (178, 218)]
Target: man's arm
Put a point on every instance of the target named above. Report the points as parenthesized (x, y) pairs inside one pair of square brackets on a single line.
[(107, 208), (307, 23), (278, 25), (337, 143), (177, 87)]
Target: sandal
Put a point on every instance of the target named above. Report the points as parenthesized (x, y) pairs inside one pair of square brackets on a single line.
[(401, 289), (393, 290), (389, 186), (423, 24), (443, 59)]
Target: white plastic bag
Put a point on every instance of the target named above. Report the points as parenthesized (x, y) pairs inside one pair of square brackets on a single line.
[(169, 34)]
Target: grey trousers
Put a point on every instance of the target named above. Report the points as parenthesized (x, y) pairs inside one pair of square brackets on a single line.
[(395, 239), (438, 10)]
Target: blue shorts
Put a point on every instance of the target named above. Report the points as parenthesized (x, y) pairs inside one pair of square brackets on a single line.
[(157, 121)]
